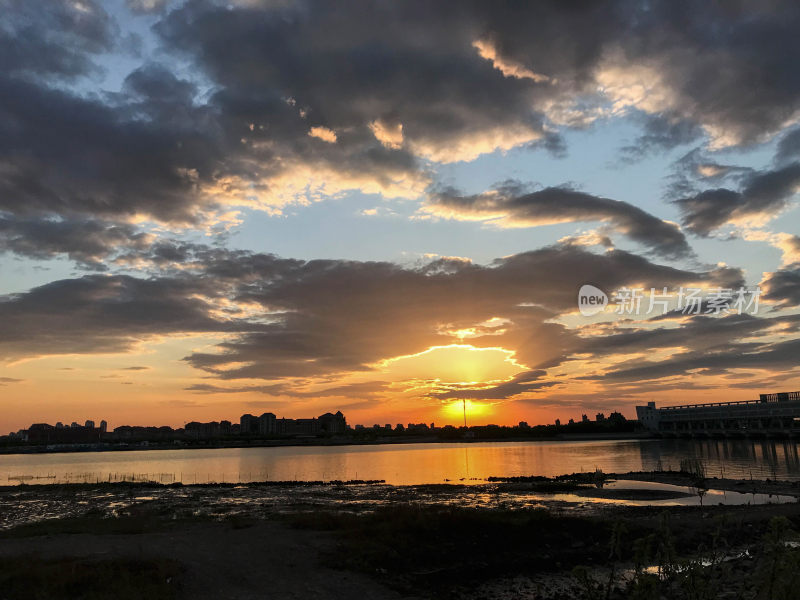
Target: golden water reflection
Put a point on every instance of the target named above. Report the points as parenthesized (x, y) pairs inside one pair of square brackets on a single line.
[(406, 464)]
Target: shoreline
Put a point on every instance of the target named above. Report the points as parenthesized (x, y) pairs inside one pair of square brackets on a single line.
[(586, 482), (300, 442), (334, 540)]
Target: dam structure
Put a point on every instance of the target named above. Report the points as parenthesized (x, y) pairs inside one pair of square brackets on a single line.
[(772, 415)]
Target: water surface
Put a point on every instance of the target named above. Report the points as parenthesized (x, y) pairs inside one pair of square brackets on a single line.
[(406, 464)]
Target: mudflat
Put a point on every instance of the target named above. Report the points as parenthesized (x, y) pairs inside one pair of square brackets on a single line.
[(498, 541)]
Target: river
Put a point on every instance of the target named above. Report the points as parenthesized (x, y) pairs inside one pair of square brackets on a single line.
[(405, 464)]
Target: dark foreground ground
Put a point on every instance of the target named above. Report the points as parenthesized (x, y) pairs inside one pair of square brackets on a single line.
[(366, 541)]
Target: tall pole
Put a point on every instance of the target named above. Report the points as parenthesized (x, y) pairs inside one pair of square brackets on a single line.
[(464, 400)]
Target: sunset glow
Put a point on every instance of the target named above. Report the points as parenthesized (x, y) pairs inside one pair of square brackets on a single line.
[(474, 410), (457, 363), (265, 209)]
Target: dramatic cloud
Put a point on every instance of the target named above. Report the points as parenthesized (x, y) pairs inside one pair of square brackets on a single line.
[(299, 326), (783, 286), (65, 155), (53, 39), (509, 206), (789, 146), (89, 243), (762, 195), (701, 332), (336, 316), (770, 356), (122, 143), (520, 384), (300, 101), (103, 314), (704, 345), (365, 390)]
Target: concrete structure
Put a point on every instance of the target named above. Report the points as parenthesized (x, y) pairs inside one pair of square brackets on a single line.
[(770, 415)]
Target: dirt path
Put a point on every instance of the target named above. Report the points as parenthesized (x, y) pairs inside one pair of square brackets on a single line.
[(265, 561)]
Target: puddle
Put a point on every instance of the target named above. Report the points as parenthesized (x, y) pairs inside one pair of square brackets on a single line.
[(39, 503), (635, 493)]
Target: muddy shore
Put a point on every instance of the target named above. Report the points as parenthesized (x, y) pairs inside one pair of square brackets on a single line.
[(566, 537)]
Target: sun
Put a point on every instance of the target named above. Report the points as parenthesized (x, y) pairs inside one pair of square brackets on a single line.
[(455, 409)]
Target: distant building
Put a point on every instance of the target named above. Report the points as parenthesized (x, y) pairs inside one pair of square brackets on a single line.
[(89, 424), (44, 433), (417, 428), (267, 424), (558, 422), (616, 418), (103, 426), (248, 424), (334, 424), (297, 426), (136, 433), (202, 430)]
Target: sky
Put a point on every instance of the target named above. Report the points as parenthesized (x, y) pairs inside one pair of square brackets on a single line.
[(391, 208)]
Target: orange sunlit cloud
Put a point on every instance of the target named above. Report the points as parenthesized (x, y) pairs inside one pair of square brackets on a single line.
[(455, 364)]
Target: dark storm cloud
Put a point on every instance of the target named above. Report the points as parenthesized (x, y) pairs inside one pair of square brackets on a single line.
[(783, 286), (697, 332), (347, 67), (789, 146), (61, 154), (98, 314), (89, 243), (728, 68), (707, 346), (775, 357), (762, 194), (53, 39), (152, 150), (358, 95), (510, 205)]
